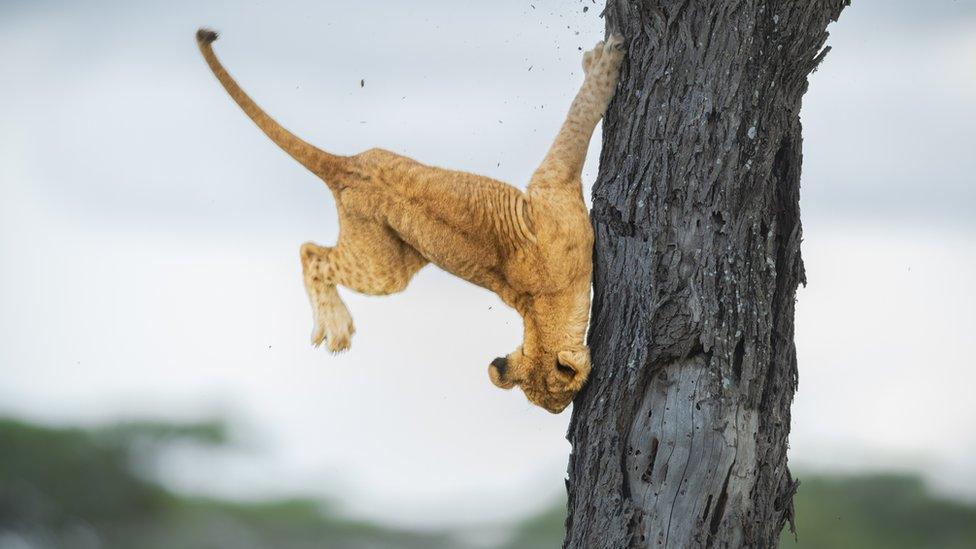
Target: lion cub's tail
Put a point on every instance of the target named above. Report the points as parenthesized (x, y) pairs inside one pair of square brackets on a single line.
[(316, 160)]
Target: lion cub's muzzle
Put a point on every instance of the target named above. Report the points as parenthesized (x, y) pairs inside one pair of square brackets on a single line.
[(496, 372)]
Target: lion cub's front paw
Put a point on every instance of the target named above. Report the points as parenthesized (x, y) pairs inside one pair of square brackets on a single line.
[(602, 63)]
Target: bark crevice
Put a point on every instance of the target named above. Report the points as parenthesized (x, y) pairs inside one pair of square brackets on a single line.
[(719, 513)]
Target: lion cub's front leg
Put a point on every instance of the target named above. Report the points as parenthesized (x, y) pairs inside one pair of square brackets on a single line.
[(601, 66), (564, 161)]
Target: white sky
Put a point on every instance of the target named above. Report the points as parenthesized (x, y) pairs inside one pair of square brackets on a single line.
[(149, 238)]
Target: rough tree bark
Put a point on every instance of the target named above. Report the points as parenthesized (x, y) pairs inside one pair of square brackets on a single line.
[(680, 436)]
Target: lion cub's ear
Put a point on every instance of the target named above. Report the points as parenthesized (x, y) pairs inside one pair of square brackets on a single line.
[(574, 367)]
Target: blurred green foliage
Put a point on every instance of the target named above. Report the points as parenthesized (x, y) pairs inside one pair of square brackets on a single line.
[(80, 489), (891, 511), (64, 488)]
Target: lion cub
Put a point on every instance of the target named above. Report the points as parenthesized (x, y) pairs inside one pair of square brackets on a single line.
[(532, 248)]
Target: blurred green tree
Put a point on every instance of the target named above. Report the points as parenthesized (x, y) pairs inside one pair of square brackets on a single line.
[(68, 488)]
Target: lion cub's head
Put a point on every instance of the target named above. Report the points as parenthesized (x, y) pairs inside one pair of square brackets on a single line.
[(553, 362), (549, 379)]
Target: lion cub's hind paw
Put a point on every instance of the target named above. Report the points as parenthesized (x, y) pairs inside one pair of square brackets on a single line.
[(339, 343), (335, 329)]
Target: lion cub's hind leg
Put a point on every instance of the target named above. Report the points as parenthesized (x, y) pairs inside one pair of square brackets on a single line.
[(333, 323), (369, 259)]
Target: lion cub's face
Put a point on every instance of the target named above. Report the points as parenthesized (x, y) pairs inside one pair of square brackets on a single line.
[(549, 379), (553, 362)]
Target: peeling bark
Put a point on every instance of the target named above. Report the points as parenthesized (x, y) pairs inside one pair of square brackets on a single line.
[(680, 436)]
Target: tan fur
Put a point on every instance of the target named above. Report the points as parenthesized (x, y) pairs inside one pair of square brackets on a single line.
[(532, 248)]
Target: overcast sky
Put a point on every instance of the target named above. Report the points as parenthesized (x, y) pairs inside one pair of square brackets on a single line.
[(149, 241)]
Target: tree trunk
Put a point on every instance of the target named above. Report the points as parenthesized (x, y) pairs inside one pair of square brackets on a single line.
[(680, 436)]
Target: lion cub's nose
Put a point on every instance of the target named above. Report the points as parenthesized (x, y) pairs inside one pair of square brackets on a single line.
[(500, 364), (496, 372)]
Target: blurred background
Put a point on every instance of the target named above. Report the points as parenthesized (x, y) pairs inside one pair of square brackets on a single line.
[(156, 375)]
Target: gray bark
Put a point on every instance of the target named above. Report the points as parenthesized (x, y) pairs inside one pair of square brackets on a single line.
[(680, 436)]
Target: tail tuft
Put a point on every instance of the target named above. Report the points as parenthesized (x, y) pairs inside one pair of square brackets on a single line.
[(205, 36)]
